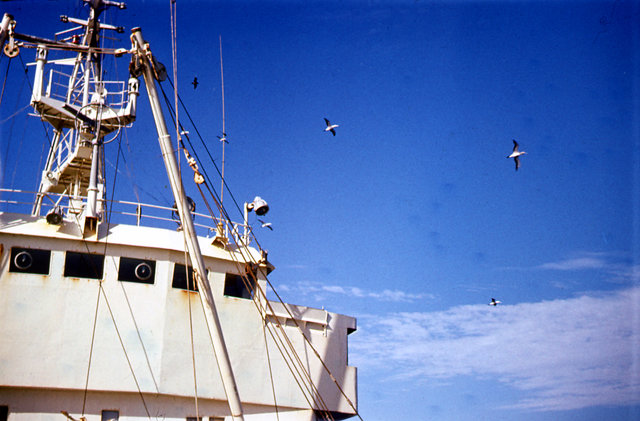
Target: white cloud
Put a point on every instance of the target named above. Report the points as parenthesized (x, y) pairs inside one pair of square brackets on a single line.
[(334, 289), (321, 291), (578, 263), (565, 354)]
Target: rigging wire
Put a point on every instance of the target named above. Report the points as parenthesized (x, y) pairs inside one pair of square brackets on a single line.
[(286, 348), (298, 369), (174, 53), (93, 336), (24, 66), (14, 114), (191, 281), (101, 290), (205, 147), (289, 344), (4, 82), (273, 386), (135, 379), (115, 324), (126, 296)]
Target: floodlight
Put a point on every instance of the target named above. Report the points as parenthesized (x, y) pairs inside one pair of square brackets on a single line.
[(259, 206), (54, 216)]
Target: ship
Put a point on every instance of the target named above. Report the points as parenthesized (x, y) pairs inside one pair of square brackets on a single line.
[(119, 310)]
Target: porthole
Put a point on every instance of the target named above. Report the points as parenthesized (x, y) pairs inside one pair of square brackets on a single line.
[(27, 260), (137, 270), (23, 260), (143, 271)]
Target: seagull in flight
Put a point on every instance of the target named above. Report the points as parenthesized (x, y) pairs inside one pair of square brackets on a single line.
[(223, 138), (265, 224), (516, 154), (494, 302), (330, 127), (195, 82)]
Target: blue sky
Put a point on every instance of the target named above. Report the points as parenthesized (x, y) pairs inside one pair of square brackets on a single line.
[(411, 218)]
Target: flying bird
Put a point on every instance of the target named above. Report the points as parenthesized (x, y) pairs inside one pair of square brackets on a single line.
[(223, 138), (515, 154), (494, 302), (265, 224), (330, 127), (195, 82)]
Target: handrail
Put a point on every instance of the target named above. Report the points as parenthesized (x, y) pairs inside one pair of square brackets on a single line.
[(143, 214)]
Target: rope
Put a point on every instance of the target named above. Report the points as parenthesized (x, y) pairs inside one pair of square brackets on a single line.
[(191, 282), (312, 390), (93, 336), (98, 77), (44, 126), (273, 386), (15, 114), (174, 52), (106, 244), (115, 325), (124, 291), (4, 82), (284, 345), (213, 162)]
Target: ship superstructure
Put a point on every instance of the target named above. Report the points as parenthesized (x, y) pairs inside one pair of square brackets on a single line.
[(117, 320)]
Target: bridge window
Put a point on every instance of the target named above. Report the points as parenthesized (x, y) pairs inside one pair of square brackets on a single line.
[(239, 286), (137, 270), (84, 265), (110, 415), (180, 278), (30, 260)]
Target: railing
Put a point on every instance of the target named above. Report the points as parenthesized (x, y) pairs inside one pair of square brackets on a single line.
[(119, 211), (66, 148), (57, 88)]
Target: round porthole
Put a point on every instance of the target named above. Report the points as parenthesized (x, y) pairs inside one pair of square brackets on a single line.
[(143, 271), (23, 260)]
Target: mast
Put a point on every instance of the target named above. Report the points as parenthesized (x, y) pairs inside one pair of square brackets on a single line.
[(193, 247), (79, 112)]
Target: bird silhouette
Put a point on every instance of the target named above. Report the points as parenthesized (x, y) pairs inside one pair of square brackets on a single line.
[(195, 82), (330, 127), (265, 224), (516, 154), (494, 302)]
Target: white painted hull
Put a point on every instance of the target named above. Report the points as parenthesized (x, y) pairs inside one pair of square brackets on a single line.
[(47, 326)]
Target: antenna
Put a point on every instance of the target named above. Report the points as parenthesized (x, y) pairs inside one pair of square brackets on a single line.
[(224, 133)]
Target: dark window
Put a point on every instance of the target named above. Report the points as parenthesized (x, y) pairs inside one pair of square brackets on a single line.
[(4, 412), (84, 265), (238, 286), (194, 419), (30, 261), (110, 415), (180, 278), (137, 270)]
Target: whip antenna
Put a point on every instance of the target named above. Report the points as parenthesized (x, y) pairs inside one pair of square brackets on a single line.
[(224, 133)]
